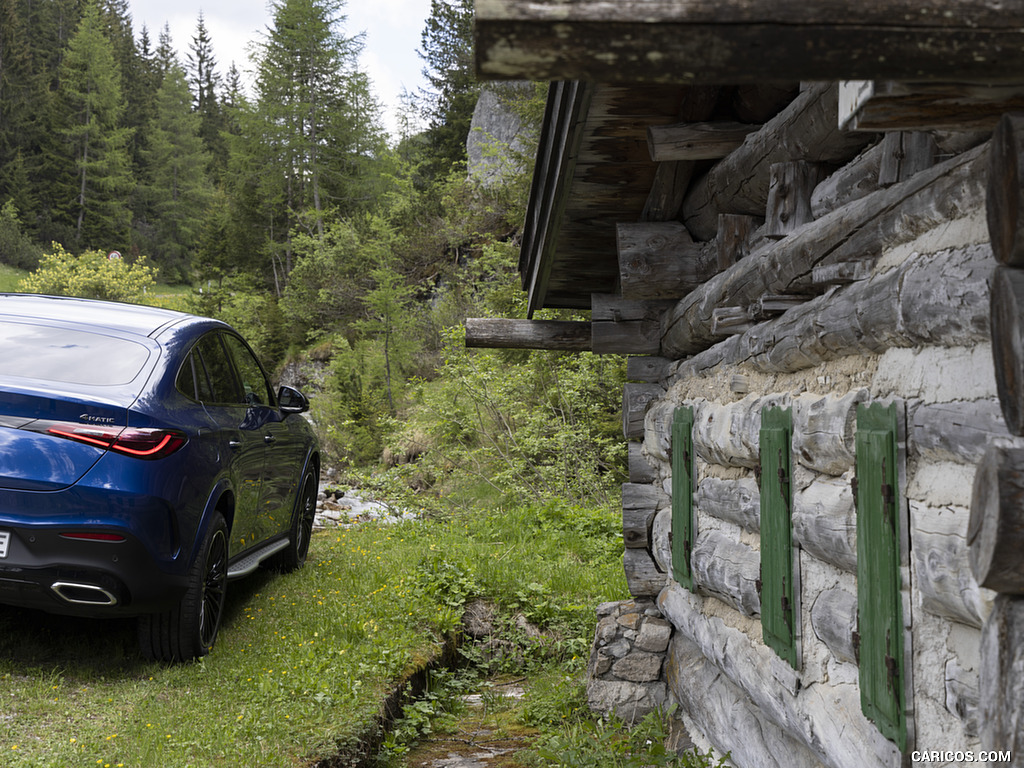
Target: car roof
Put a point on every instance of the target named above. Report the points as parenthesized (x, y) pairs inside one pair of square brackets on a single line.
[(131, 318)]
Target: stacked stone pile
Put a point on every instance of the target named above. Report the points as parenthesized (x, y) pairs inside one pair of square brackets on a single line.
[(625, 671)]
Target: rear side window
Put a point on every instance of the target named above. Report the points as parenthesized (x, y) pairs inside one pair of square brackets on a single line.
[(257, 389), (217, 382), (68, 356)]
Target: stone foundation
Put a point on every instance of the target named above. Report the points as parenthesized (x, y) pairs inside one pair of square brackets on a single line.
[(625, 675)]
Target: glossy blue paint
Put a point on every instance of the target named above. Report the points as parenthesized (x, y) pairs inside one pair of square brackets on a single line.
[(247, 460)]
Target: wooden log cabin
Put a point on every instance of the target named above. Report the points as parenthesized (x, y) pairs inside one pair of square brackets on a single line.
[(802, 222)]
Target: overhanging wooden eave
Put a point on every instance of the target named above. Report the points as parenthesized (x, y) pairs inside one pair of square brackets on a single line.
[(749, 41), (557, 152)]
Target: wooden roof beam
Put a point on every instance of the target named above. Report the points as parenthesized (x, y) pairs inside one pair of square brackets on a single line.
[(748, 41)]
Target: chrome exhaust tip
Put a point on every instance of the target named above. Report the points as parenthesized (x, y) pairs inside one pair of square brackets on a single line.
[(83, 594)]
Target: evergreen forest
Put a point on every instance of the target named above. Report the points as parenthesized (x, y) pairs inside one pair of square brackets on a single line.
[(346, 256)]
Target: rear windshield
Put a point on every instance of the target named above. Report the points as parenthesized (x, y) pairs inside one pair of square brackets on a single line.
[(69, 357)]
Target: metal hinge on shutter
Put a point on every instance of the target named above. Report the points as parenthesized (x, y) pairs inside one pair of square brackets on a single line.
[(855, 639)]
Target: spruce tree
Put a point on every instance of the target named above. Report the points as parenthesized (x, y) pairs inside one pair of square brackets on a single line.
[(92, 142), (205, 82), (176, 187), (447, 49)]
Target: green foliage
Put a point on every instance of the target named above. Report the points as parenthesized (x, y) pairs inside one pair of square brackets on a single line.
[(601, 744), (250, 309), (16, 249), (91, 275), (534, 425)]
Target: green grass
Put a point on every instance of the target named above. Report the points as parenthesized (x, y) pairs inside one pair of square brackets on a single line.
[(303, 661), (10, 277)]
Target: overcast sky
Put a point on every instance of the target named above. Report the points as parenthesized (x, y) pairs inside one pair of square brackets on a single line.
[(392, 29)]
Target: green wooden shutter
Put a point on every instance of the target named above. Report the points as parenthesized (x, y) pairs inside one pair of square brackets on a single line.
[(879, 607), (778, 623), (684, 528)]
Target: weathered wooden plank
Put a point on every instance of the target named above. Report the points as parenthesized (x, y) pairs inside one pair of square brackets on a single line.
[(885, 218), (904, 106), (643, 579), (647, 369), (962, 694), (635, 399), (729, 434), (495, 332), (639, 337), (995, 534), (834, 621), (640, 469), (728, 570), (708, 42), (659, 260), (614, 308), (737, 501), (853, 181), (726, 716), (671, 180), (1006, 191), (1007, 318), (1002, 679), (904, 154), (958, 431), (736, 236), (789, 196), (825, 522), (842, 273), (696, 141), (823, 430), (805, 130), (904, 307), (758, 102), (826, 719), (640, 502), (941, 566)]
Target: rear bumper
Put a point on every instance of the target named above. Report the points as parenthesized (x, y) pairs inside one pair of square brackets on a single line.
[(47, 571)]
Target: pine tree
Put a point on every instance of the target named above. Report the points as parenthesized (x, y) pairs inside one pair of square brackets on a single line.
[(316, 113), (447, 49), (92, 141), (176, 187), (205, 82)]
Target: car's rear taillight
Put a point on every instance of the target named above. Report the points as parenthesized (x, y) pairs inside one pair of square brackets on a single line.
[(140, 443)]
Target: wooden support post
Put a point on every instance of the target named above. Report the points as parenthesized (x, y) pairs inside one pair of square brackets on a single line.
[(672, 179), (904, 154), (789, 196), (1007, 318), (643, 579), (995, 534), (804, 130), (736, 233), (695, 141), (494, 332), (1005, 194), (659, 260)]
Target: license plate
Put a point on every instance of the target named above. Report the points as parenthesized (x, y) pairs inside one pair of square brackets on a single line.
[(5, 541)]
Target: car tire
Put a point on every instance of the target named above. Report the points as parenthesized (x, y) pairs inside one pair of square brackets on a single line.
[(294, 556), (189, 630)]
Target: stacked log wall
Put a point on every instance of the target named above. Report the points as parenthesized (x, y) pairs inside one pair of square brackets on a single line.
[(920, 337)]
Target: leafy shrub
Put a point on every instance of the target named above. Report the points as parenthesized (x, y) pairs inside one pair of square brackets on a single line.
[(16, 249), (91, 275)]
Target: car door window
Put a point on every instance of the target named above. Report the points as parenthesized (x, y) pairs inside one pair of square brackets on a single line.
[(254, 381), (221, 386)]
